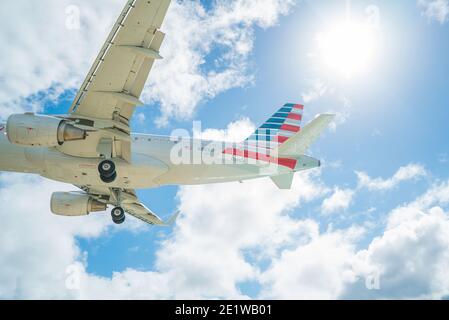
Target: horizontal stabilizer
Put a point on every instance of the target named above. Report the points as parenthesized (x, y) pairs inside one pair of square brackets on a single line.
[(301, 142), (284, 181)]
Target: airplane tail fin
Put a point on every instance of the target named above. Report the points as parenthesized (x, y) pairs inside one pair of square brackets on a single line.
[(279, 128), (281, 140), (302, 141)]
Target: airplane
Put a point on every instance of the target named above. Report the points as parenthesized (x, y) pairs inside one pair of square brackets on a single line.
[(92, 146)]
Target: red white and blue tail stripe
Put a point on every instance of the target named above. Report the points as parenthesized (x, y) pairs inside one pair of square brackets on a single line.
[(278, 129), (284, 124)]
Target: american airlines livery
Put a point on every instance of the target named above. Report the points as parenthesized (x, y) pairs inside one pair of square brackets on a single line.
[(92, 147)]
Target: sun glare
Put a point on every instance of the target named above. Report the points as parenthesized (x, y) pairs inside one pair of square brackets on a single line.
[(348, 48)]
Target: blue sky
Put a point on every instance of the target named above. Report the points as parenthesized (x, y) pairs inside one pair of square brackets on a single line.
[(391, 129)]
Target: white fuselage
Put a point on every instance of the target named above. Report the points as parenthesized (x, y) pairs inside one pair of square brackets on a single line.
[(151, 166)]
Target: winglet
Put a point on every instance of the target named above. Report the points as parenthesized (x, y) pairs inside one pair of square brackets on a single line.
[(172, 219)]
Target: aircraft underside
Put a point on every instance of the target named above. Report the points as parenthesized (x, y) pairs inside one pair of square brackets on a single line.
[(153, 163), (92, 146), (114, 180), (144, 171)]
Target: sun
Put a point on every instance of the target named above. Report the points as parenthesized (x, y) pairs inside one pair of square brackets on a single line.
[(348, 48)]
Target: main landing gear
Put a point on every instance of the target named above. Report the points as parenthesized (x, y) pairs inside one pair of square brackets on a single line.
[(118, 215), (106, 168)]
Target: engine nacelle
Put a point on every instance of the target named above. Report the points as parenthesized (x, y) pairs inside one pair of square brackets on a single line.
[(36, 130), (73, 204)]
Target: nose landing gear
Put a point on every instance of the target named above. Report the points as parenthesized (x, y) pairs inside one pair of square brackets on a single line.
[(106, 168)]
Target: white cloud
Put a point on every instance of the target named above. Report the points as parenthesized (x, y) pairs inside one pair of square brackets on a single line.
[(409, 172), (220, 222), (317, 89), (435, 9), (235, 132), (225, 231), (39, 52), (38, 247), (38, 56), (205, 257), (408, 260), (319, 269), (411, 256), (181, 81), (438, 195), (339, 200), (129, 284)]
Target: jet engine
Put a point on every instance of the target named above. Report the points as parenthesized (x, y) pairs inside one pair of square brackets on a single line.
[(73, 204), (37, 130)]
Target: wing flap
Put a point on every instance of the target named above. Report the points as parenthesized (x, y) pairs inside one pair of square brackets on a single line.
[(140, 211)]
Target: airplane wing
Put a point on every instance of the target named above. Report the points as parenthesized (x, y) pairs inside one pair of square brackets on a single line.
[(115, 82), (298, 144), (130, 203), (134, 207), (141, 212), (108, 96)]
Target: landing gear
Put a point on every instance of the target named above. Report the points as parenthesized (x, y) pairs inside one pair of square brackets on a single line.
[(118, 215), (106, 168)]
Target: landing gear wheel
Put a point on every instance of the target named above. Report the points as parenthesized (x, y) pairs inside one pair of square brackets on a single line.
[(109, 179), (118, 215), (106, 168)]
